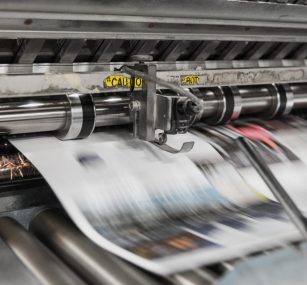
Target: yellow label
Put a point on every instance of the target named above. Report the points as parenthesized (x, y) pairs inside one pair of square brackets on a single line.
[(120, 81), (188, 80)]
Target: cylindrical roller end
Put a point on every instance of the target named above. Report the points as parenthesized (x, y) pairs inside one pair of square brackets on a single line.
[(93, 263), (43, 264)]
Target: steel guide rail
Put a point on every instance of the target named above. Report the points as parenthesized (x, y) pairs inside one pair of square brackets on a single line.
[(111, 81)]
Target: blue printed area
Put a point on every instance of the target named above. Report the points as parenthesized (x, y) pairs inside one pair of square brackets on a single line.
[(207, 227), (204, 229), (198, 197), (235, 222), (271, 210)]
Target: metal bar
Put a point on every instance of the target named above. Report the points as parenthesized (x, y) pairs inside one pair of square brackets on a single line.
[(146, 116), (43, 264), (300, 94), (12, 271), (151, 78), (26, 116), (195, 277), (107, 50), (232, 50), (301, 52), (283, 50), (251, 105), (93, 263), (179, 66), (174, 50), (278, 191), (195, 11), (113, 81), (144, 48), (28, 50), (44, 114), (70, 50), (204, 50), (112, 110), (48, 113), (258, 50), (48, 29)]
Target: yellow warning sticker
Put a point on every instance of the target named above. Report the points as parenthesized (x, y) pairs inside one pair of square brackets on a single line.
[(120, 81), (188, 80)]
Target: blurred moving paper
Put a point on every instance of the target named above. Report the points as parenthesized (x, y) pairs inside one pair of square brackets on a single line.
[(157, 209)]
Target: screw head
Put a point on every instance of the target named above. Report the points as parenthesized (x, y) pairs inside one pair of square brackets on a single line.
[(135, 105)]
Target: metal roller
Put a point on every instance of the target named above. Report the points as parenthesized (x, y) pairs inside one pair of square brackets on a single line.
[(300, 95), (80, 117), (193, 277), (51, 113), (93, 263), (12, 271), (43, 264)]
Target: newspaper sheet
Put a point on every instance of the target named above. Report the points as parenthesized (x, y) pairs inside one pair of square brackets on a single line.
[(163, 212)]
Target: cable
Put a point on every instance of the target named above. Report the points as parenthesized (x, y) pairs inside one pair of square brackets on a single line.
[(135, 73)]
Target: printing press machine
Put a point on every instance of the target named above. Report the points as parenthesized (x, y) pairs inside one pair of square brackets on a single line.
[(158, 67)]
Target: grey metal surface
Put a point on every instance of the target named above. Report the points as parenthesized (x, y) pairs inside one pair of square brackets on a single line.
[(53, 82), (145, 117), (48, 113), (299, 91), (79, 50), (251, 105), (55, 29), (43, 264), (12, 271), (69, 50), (23, 195), (93, 263), (25, 215), (112, 109), (37, 115), (28, 50), (103, 31), (73, 118), (184, 65), (25, 115), (195, 277), (195, 11)]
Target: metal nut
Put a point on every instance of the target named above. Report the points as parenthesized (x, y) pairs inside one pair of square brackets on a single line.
[(135, 105)]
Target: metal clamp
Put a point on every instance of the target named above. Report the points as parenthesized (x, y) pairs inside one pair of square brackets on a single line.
[(286, 99), (237, 103), (80, 120), (161, 143), (221, 110), (276, 102), (230, 105)]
